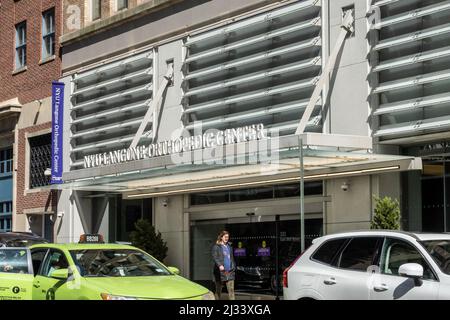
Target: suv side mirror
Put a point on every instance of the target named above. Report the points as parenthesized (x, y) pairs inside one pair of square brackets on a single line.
[(61, 274), (412, 270), (174, 270)]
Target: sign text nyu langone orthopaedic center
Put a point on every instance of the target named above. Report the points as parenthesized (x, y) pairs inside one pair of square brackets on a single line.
[(210, 139), (57, 134)]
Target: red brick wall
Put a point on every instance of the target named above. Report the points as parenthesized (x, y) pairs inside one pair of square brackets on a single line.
[(33, 199), (35, 82)]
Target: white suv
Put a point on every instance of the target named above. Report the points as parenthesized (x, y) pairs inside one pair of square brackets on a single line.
[(372, 265)]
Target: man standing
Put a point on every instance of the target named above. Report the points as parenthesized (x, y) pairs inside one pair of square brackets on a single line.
[(224, 265)]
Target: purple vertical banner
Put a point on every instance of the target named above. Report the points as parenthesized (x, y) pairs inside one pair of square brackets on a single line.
[(57, 131)]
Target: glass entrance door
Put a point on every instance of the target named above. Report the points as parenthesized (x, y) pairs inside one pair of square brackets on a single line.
[(436, 194), (263, 247)]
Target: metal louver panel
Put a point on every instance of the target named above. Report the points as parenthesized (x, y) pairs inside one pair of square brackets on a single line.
[(261, 112), (108, 128), (108, 85), (113, 67), (416, 13), (384, 2), (259, 69), (108, 104), (103, 114), (292, 125), (254, 95), (304, 65), (113, 98), (301, 6), (413, 81), (413, 37), (410, 61), (260, 57), (269, 35), (410, 105), (116, 142), (441, 123)]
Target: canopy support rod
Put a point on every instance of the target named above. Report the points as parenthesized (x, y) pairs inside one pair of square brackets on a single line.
[(153, 105), (347, 27)]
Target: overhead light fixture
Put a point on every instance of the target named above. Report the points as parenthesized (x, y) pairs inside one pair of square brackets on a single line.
[(265, 182)]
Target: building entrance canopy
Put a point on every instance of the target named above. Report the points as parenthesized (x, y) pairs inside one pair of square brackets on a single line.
[(273, 160)]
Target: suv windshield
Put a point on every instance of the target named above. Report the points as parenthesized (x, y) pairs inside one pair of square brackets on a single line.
[(116, 263), (24, 242), (440, 251)]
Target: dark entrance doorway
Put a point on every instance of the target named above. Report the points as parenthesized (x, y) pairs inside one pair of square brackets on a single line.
[(263, 248), (436, 194), (128, 213)]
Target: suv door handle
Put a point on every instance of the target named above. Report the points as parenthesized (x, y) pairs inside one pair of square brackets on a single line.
[(381, 287), (330, 281)]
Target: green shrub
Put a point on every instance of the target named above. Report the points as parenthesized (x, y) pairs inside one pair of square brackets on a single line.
[(146, 237), (386, 214)]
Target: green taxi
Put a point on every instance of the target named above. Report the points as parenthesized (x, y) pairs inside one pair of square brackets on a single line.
[(90, 271)]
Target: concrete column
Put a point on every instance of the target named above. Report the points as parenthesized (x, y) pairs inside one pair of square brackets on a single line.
[(169, 220), (413, 197), (351, 209)]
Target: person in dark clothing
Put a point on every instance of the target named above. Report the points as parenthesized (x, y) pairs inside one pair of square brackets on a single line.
[(224, 265)]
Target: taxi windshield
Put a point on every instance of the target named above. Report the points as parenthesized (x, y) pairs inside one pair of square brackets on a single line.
[(116, 263)]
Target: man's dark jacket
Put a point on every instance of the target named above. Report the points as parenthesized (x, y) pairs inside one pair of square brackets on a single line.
[(219, 260)]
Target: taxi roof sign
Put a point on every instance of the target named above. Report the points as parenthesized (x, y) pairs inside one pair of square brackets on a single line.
[(91, 238)]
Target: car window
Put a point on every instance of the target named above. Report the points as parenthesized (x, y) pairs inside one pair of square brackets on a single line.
[(397, 252), (14, 261), (24, 242), (360, 253), (328, 250), (37, 256), (440, 251), (55, 260)]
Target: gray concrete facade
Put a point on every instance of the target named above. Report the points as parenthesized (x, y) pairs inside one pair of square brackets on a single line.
[(348, 109)]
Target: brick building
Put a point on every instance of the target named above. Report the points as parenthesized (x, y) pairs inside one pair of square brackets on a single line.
[(29, 62)]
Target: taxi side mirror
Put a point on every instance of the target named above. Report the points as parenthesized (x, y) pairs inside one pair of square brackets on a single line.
[(61, 274), (174, 270)]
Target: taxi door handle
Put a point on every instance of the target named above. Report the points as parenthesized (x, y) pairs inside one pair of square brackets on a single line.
[(36, 284)]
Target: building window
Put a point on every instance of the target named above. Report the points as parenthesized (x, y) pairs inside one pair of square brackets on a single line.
[(261, 193), (21, 45), (6, 161), (122, 4), (6, 207), (48, 33), (96, 9), (5, 216), (40, 160)]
